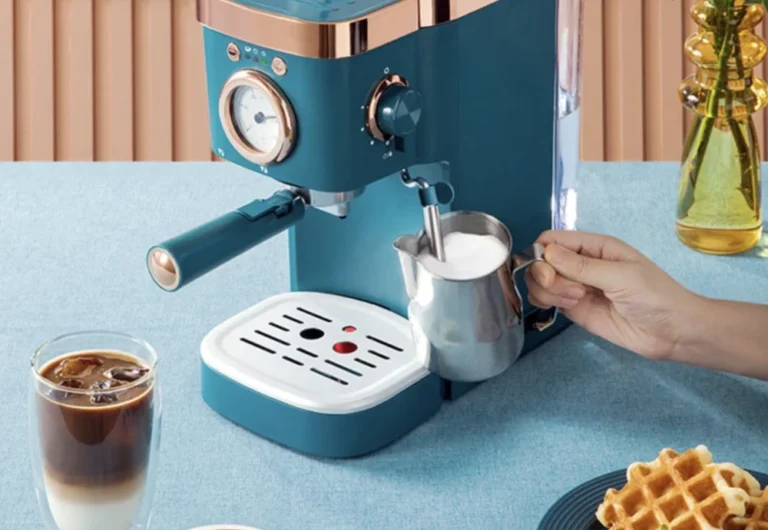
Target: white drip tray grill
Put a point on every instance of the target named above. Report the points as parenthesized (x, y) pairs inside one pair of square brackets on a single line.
[(318, 352)]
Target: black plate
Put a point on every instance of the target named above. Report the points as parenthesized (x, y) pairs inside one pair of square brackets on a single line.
[(576, 509)]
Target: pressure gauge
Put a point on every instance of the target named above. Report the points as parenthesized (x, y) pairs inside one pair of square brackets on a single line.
[(257, 117)]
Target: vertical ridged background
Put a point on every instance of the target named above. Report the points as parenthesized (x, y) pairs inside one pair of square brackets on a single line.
[(633, 66), (124, 80), (101, 80)]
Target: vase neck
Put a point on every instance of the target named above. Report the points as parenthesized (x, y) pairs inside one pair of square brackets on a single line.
[(711, 16)]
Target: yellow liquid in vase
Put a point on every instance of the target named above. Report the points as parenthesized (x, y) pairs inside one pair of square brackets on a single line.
[(720, 213)]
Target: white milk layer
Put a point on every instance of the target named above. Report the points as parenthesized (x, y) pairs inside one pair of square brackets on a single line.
[(89, 508), (467, 256)]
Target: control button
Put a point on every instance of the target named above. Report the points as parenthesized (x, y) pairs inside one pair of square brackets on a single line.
[(312, 334), (345, 347), (349, 329), (233, 52), (399, 111), (279, 66)]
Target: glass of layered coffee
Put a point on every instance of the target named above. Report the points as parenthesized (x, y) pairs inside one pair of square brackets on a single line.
[(95, 430)]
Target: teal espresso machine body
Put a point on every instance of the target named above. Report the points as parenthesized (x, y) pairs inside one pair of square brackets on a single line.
[(333, 99)]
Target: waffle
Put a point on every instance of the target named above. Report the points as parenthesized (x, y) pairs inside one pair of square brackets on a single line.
[(682, 491), (756, 517)]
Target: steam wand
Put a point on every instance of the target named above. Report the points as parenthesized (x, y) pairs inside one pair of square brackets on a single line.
[(431, 196)]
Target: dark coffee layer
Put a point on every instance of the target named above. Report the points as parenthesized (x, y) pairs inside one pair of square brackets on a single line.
[(100, 433)]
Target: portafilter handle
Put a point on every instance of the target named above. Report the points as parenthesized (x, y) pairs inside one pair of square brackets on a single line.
[(189, 256)]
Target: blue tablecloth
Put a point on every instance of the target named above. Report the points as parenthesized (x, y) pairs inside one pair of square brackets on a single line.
[(72, 243)]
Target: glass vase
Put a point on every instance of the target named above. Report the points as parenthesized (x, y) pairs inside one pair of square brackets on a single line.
[(718, 204)]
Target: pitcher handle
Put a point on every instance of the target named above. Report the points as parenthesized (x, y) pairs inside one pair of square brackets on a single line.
[(540, 319)]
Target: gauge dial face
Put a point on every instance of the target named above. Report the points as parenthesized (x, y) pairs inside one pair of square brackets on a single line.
[(256, 118)]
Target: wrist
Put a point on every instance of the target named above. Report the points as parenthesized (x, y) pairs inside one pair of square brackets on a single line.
[(696, 328)]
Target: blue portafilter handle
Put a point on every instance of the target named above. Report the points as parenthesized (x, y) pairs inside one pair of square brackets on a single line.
[(189, 256)]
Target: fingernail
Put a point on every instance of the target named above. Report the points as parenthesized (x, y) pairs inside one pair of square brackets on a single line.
[(553, 254), (541, 275), (575, 292)]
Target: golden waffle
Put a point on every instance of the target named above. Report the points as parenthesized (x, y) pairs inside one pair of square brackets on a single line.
[(682, 491), (756, 517)]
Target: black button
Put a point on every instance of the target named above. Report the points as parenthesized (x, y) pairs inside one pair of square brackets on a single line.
[(312, 334)]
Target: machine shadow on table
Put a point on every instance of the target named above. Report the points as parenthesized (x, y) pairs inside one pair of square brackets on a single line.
[(554, 385)]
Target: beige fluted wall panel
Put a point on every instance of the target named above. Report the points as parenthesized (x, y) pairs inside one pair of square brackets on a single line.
[(102, 80), (7, 86), (73, 80), (633, 66), (124, 80)]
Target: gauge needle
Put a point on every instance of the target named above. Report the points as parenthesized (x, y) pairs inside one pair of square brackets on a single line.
[(260, 118)]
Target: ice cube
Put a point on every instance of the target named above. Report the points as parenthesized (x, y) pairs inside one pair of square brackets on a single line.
[(77, 366), (127, 375), (104, 384), (57, 394), (100, 386), (103, 399)]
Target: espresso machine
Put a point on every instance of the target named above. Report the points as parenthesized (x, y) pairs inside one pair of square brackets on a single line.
[(339, 101)]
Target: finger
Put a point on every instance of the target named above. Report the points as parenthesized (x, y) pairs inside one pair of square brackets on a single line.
[(603, 274), (564, 303), (545, 275), (544, 299), (592, 245), (542, 273), (538, 303)]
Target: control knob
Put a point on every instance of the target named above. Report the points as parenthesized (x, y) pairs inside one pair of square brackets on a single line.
[(394, 109)]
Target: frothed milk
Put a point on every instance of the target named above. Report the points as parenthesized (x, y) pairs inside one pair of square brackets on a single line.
[(467, 256)]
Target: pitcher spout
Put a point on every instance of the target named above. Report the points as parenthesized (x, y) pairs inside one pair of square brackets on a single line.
[(407, 247)]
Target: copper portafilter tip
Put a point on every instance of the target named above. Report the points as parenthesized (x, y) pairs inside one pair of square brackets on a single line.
[(163, 268)]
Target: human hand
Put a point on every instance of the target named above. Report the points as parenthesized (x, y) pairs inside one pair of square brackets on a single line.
[(611, 290)]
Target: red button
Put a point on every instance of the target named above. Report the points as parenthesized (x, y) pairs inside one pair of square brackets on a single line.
[(349, 329), (344, 347)]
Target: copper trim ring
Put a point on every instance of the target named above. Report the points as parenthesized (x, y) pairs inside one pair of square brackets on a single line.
[(285, 117), (373, 105), (323, 40)]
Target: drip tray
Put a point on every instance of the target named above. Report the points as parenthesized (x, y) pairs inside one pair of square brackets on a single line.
[(319, 352)]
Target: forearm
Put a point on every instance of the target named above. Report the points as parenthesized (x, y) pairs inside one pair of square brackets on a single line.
[(726, 336)]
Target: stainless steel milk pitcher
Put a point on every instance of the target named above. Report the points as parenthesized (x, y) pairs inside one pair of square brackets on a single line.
[(474, 329)]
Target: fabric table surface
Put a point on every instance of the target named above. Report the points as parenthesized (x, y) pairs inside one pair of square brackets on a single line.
[(73, 239)]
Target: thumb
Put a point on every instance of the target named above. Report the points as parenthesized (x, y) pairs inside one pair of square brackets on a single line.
[(602, 274)]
